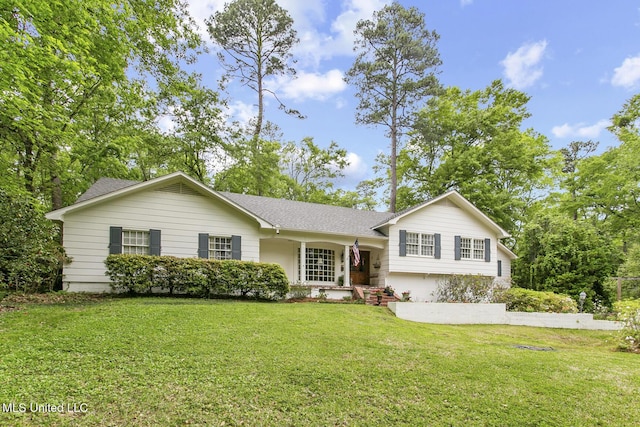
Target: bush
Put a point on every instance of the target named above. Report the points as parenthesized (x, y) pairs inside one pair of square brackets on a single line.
[(30, 255), (519, 299), (466, 288), (194, 276), (629, 314)]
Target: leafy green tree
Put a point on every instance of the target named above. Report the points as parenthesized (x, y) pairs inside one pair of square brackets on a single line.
[(561, 255), (471, 141), (30, 255), (257, 37), (63, 62), (572, 157), (394, 70)]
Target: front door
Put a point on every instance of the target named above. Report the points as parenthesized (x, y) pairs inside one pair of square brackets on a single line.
[(360, 274)]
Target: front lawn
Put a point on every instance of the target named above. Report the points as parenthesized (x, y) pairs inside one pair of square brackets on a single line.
[(164, 361)]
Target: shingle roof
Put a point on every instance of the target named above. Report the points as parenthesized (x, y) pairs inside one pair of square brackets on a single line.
[(288, 214), (292, 215), (105, 186)]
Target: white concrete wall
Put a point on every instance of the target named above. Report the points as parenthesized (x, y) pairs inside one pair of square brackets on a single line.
[(449, 221), (180, 217), (481, 314), (422, 286)]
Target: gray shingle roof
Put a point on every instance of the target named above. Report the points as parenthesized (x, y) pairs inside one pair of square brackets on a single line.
[(288, 214), (105, 186), (292, 215)]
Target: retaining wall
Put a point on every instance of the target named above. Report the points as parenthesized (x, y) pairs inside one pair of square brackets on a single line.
[(494, 314)]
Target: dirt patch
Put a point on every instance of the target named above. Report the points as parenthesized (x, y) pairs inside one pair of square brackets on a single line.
[(15, 299)]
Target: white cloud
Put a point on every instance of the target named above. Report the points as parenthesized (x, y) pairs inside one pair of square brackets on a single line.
[(580, 130), (310, 85), (241, 112), (201, 10), (522, 68), (627, 75), (357, 168)]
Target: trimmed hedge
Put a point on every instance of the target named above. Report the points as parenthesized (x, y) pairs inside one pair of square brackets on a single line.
[(519, 299), (195, 276)]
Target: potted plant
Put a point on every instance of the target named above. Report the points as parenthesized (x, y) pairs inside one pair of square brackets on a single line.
[(389, 291), (406, 296), (379, 297), (341, 280), (366, 293)]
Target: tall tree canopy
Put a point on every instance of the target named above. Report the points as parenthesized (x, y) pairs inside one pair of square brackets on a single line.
[(257, 37), (69, 70), (472, 142), (394, 70)]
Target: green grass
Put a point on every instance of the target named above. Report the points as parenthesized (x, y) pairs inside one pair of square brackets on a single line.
[(163, 361)]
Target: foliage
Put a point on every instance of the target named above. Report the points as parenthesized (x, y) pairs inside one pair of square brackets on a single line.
[(472, 142), (257, 37), (393, 71), (30, 255), (629, 314), (466, 289), (167, 361), (193, 276), (565, 256), (527, 300), (299, 291), (80, 72)]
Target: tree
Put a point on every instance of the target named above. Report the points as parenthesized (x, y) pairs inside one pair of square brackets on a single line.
[(572, 156), (63, 63), (561, 255), (470, 141), (257, 37), (394, 70)]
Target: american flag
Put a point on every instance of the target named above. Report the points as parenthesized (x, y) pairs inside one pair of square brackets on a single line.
[(356, 254)]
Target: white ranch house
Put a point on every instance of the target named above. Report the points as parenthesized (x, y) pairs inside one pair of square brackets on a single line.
[(175, 215)]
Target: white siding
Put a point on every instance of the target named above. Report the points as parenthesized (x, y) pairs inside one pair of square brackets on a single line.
[(283, 252), (423, 287), (180, 217), (506, 264), (448, 220)]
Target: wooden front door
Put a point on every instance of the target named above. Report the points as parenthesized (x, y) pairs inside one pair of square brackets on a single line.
[(360, 274)]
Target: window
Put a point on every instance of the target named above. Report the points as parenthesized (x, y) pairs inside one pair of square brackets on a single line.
[(427, 245), (465, 248), (478, 249), (472, 248), (135, 242), (220, 247), (412, 243), (320, 265)]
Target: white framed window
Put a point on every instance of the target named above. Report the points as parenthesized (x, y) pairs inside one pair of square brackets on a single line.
[(472, 248), (220, 248), (465, 247), (427, 245), (319, 265), (413, 244), (478, 249), (135, 242)]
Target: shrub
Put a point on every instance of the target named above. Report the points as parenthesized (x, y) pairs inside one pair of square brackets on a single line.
[(466, 288), (299, 291), (194, 276), (519, 299), (629, 314), (30, 255)]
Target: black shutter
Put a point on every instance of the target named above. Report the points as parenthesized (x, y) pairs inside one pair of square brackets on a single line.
[(115, 240), (457, 241), (499, 268), (487, 250), (403, 242), (154, 242), (438, 245), (203, 245), (236, 247)]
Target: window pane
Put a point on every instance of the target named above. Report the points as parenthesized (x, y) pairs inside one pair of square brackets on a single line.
[(135, 242), (427, 245)]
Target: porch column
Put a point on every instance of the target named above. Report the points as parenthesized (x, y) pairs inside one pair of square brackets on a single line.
[(303, 262), (347, 266)]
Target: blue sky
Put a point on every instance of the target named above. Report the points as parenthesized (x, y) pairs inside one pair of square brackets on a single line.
[(579, 61)]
